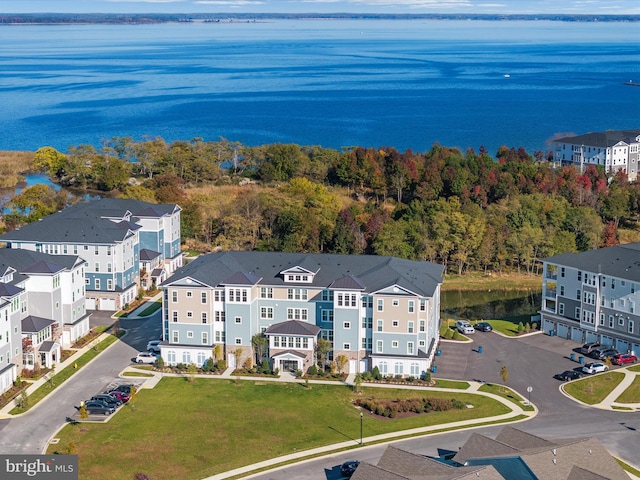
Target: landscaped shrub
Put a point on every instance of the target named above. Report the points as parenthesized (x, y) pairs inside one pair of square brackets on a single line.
[(456, 335), (390, 408), (265, 367), (527, 327), (520, 327), (248, 363), (313, 370), (222, 364), (376, 373)]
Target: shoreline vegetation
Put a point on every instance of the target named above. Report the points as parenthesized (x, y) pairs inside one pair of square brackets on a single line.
[(235, 17)]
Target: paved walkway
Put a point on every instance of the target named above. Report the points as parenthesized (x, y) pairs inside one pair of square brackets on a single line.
[(610, 400)]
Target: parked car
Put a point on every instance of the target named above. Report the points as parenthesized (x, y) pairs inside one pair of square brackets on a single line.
[(123, 397), (593, 367), (624, 358), (569, 375), (347, 469), (602, 353), (98, 408), (483, 326), (464, 327), (587, 348), (153, 346), (146, 357), (124, 388), (108, 399)]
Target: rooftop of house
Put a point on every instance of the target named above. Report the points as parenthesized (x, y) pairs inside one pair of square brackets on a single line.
[(512, 454), (602, 139), (101, 221), (358, 272), (621, 261)]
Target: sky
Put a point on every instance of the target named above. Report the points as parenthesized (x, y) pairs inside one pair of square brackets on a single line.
[(597, 7)]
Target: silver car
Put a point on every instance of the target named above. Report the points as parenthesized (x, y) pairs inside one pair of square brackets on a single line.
[(464, 327), (146, 357)]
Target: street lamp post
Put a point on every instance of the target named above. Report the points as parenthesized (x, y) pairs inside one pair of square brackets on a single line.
[(529, 390), (361, 415)]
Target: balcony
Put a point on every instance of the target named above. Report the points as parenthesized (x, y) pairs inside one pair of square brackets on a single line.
[(550, 293), (551, 275)]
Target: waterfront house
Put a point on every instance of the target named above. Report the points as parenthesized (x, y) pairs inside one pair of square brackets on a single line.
[(377, 311)]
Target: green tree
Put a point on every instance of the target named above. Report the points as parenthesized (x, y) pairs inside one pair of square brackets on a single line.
[(260, 345), (341, 362), (323, 347), (49, 160)]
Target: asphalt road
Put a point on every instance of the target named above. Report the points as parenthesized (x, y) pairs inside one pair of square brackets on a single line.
[(531, 361), (30, 433)]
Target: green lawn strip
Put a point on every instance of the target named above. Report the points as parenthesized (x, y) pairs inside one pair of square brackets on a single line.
[(451, 384), (136, 374), (154, 307), (592, 390), (506, 393), (243, 423), (628, 468), (395, 439), (60, 377), (632, 393), (635, 368)]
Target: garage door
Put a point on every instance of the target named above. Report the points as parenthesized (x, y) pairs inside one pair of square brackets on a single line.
[(90, 303), (591, 337), (107, 304), (563, 330)]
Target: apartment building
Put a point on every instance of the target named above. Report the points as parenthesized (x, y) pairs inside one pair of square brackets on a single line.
[(594, 296), (111, 235), (377, 311), (42, 309), (614, 150)]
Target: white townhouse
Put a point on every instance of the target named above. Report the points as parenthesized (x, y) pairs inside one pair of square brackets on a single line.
[(113, 236), (42, 309), (614, 150), (377, 311), (594, 296)]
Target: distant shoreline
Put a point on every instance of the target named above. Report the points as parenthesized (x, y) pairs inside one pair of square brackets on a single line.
[(142, 19)]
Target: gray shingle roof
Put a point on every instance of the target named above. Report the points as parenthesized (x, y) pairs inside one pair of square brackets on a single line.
[(621, 261), (373, 272), (293, 327), (348, 282), (7, 290), (146, 254), (89, 223), (27, 261), (290, 352), (601, 139), (32, 324), (47, 346)]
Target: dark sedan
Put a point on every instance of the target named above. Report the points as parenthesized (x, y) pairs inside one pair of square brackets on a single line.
[(348, 468), (483, 327), (108, 399), (98, 408), (568, 375)]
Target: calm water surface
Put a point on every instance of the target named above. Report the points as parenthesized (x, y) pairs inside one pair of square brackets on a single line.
[(406, 84)]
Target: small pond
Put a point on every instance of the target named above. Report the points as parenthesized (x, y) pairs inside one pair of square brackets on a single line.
[(489, 304)]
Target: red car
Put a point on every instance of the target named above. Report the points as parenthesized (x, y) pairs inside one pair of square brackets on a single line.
[(123, 397), (623, 358)]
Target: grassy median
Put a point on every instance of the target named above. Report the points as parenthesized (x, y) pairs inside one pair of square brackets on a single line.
[(194, 430)]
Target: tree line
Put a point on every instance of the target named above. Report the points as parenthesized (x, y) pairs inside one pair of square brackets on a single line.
[(465, 210)]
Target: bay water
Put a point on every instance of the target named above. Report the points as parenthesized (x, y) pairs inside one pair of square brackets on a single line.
[(334, 83)]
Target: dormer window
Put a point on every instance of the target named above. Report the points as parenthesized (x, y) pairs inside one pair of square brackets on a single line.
[(298, 275)]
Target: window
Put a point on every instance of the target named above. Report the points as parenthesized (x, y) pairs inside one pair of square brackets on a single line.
[(238, 341), (175, 336), (423, 305), (266, 292), (578, 294), (189, 334), (562, 290), (379, 346), (327, 295), (186, 358), (346, 325), (189, 314), (380, 304), (297, 314), (399, 368), (346, 346), (415, 370), (266, 312), (97, 266), (395, 323), (394, 344), (203, 316), (411, 306), (610, 321), (602, 319), (632, 306), (367, 322), (422, 325), (95, 250), (97, 283), (109, 284), (175, 317), (395, 302), (621, 321), (238, 319), (327, 316), (579, 276), (630, 326), (174, 296), (108, 267), (562, 272), (379, 328), (410, 348), (410, 327), (577, 315), (203, 297)]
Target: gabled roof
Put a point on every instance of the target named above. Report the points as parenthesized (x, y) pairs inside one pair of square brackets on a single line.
[(518, 439), (348, 282), (601, 139), (621, 261), (481, 446), (32, 324), (146, 254), (370, 272), (293, 327), (289, 352), (89, 222), (48, 346), (241, 278)]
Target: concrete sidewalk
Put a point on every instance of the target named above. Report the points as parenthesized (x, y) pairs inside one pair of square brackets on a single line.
[(610, 400)]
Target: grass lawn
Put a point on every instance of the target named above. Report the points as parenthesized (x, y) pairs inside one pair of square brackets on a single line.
[(479, 281), (631, 394), (592, 390), (505, 392), (154, 307), (194, 430), (635, 368)]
